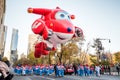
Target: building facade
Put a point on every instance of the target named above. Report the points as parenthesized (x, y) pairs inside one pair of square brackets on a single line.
[(3, 34), (32, 40), (2, 10), (13, 47), (3, 29)]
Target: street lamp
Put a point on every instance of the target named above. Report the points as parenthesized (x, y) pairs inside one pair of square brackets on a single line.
[(99, 47)]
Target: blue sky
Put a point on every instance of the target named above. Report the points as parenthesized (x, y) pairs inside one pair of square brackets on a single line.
[(97, 18)]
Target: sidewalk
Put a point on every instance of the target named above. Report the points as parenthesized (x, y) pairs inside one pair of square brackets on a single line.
[(102, 77), (112, 73)]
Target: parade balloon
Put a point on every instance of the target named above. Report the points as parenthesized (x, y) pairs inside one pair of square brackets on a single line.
[(55, 27)]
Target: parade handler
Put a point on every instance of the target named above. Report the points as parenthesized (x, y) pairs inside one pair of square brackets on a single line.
[(4, 70)]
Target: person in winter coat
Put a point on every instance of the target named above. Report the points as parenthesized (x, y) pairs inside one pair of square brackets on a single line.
[(4, 69)]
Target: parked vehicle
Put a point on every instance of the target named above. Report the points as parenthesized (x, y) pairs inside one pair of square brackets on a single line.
[(69, 70)]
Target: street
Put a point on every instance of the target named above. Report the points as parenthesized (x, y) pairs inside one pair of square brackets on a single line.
[(67, 77)]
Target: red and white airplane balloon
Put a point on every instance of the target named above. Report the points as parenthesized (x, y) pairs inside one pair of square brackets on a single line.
[(55, 27)]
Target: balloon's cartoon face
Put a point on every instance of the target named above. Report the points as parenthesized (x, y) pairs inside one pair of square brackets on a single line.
[(61, 26)]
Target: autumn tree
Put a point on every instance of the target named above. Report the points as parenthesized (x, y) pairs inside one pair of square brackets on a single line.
[(68, 50), (50, 56), (117, 57), (93, 59), (32, 58), (109, 57)]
